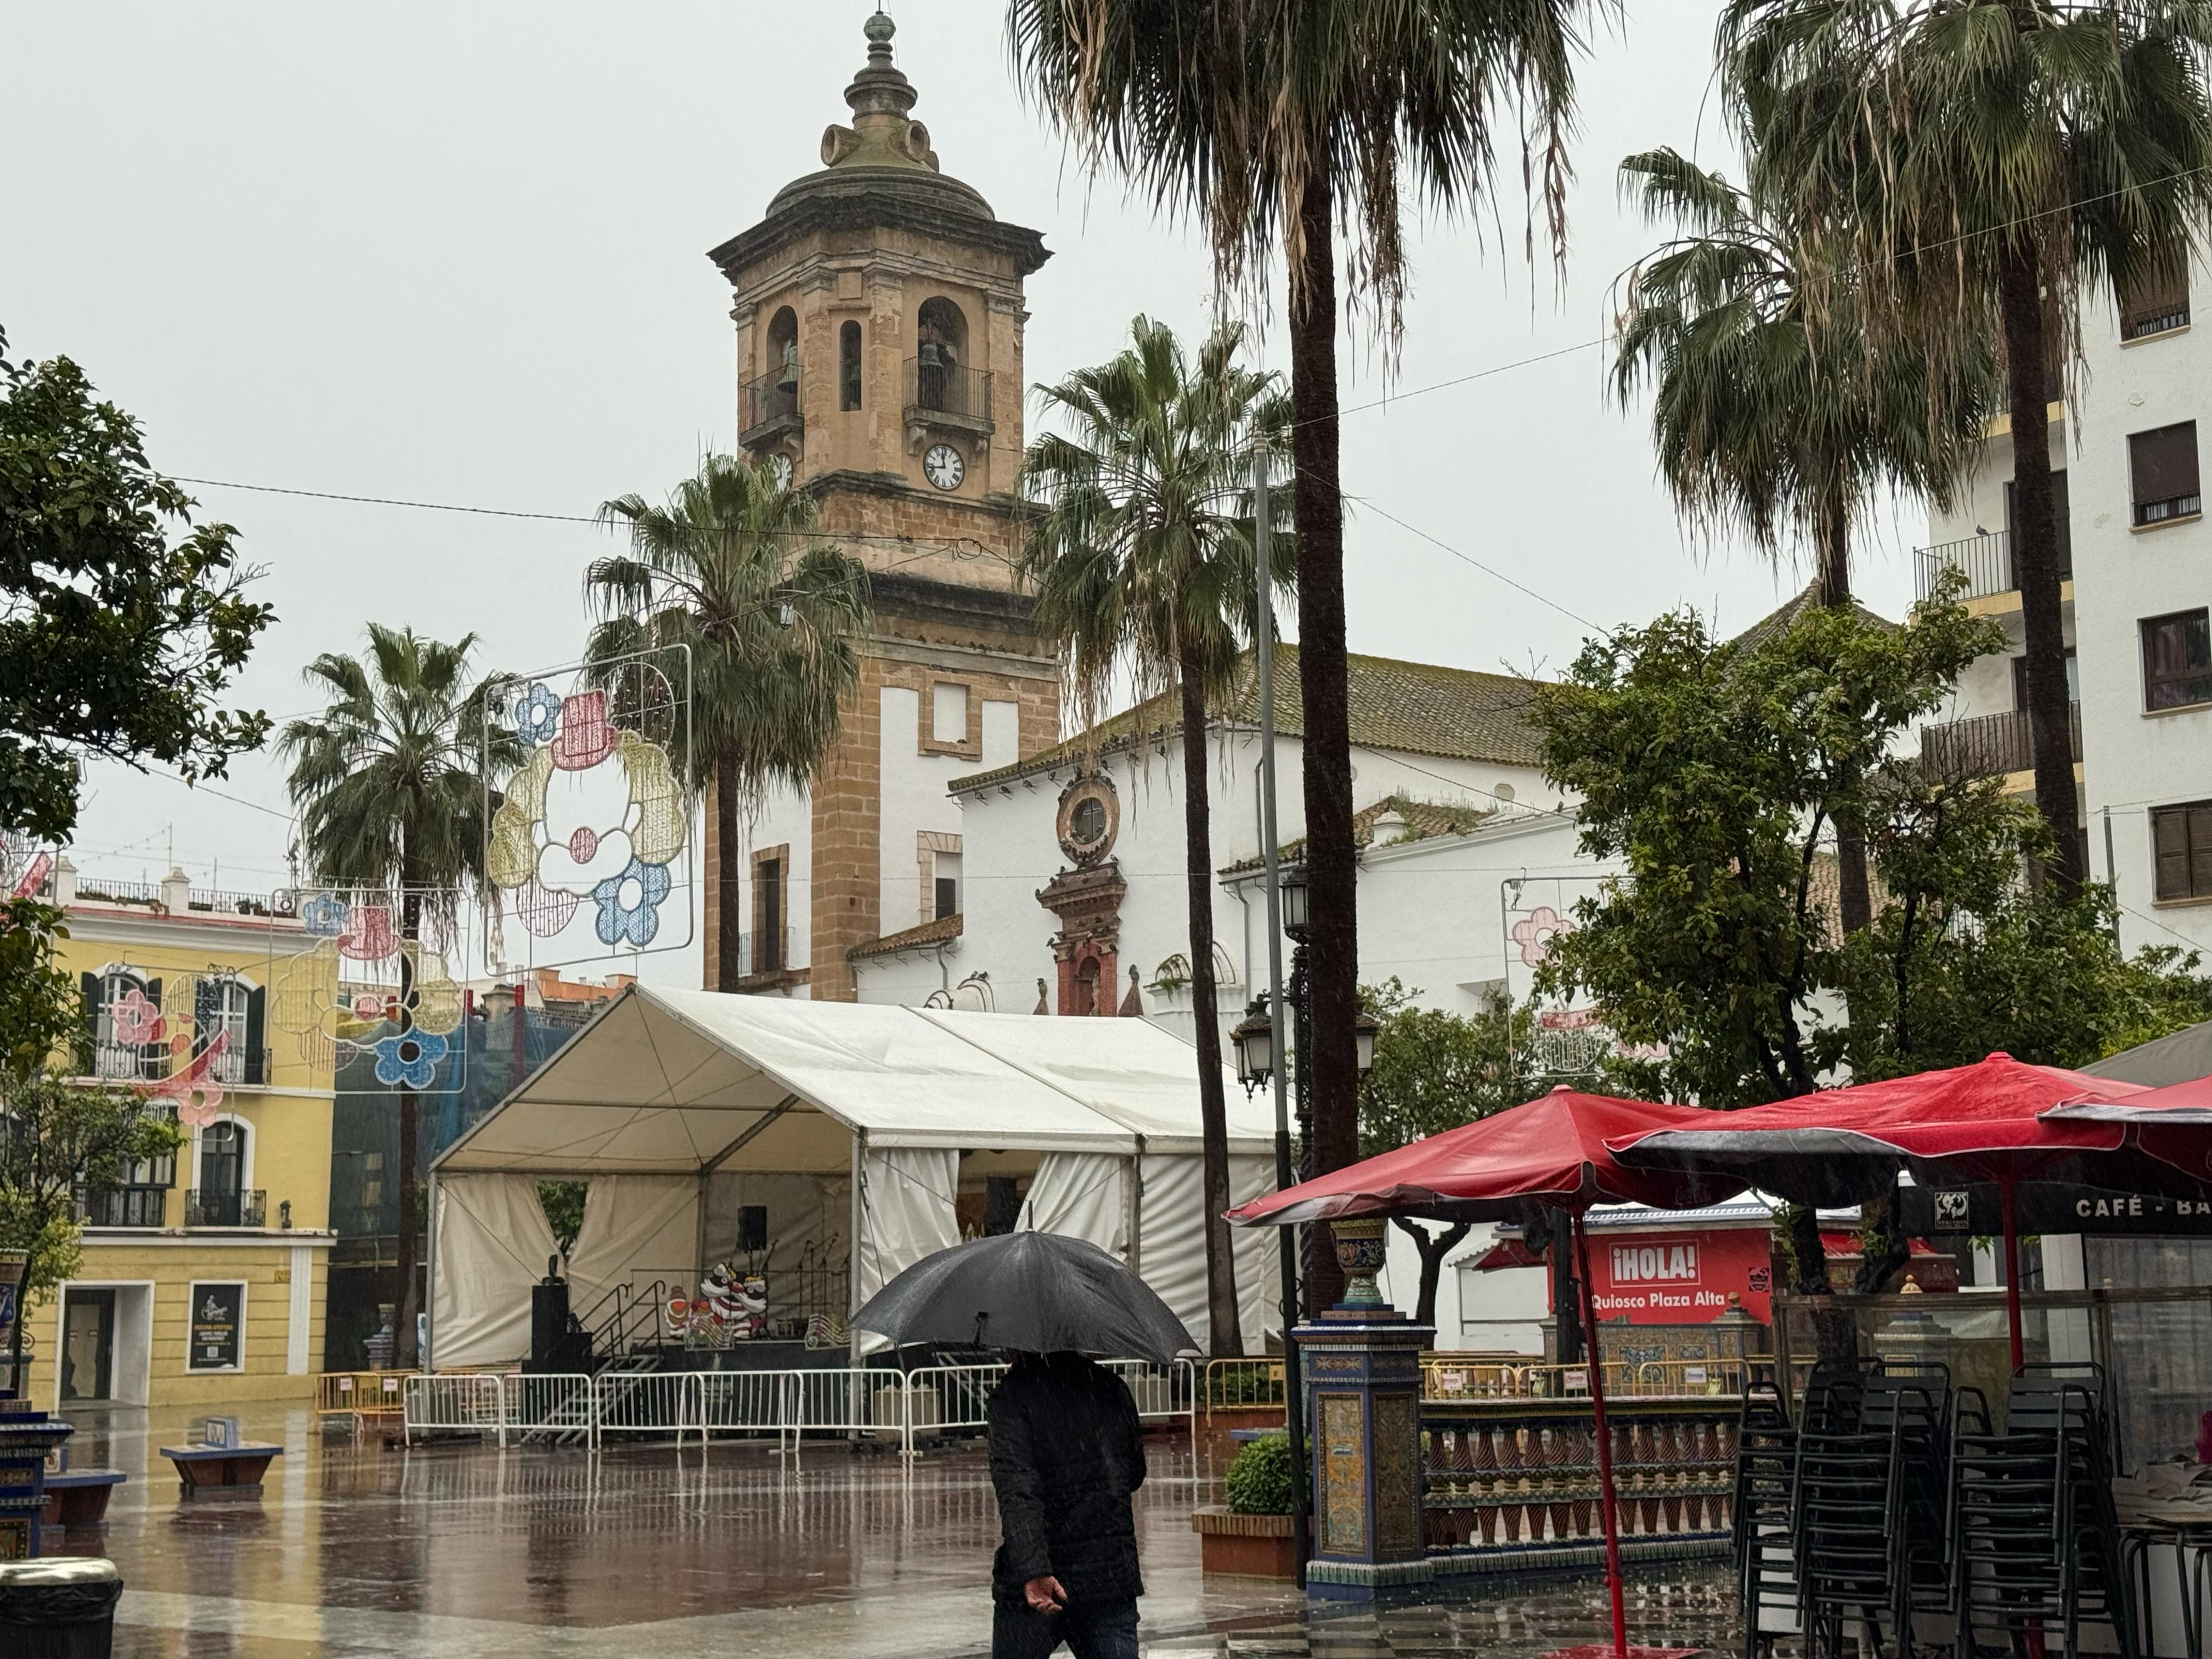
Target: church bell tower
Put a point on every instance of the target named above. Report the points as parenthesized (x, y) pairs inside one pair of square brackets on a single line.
[(878, 306)]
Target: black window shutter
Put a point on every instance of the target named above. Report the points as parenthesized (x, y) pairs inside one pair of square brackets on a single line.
[(2163, 462), (88, 988), (256, 1008), (153, 1057)]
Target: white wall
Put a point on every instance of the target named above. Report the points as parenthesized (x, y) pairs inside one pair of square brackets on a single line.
[(2132, 760)]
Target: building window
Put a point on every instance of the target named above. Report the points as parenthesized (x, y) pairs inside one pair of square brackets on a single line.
[(2181, 843), (2157, 302), (2177, 660), (2019, 680), (2162, 465), (948, 893), (2062, 517), (221, 1199), (849, 366), (768, 916), (948, 713), (125, 1026), (225, 1005)]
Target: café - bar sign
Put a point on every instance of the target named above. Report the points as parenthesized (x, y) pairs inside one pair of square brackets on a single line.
[(2050, 1207)]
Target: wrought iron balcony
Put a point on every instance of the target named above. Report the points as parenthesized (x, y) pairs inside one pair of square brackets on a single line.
[(127, 1206), (939, 393), (1993, 745), (226, 1209), (1987, 561), (770, 408)]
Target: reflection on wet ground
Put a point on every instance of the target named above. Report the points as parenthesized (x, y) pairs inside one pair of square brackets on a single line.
[(463, 1550)]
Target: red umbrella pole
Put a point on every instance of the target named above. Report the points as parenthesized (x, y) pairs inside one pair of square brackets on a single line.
[(1606, 1503), (2010, 1211)]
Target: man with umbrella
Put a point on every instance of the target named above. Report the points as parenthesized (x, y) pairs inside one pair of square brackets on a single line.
[(1068, 1451), (1066, 1454)]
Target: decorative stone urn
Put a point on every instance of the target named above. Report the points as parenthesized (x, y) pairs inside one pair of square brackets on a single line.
[(1362, 1246)]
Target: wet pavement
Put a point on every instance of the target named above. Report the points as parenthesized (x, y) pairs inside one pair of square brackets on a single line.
[(462, 1550)]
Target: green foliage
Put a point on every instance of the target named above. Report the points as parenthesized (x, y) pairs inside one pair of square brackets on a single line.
[(389, 779), (1260, 1477), (735, 569), (115, 639), (564, 1204), (1435, 1070), (55, 1137), (1716, 771), (41, 1013)]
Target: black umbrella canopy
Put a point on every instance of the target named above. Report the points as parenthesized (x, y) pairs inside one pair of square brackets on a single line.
[(1039, 1292)]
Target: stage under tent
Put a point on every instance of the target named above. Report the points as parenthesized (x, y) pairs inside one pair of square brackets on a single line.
[(827, 1146)]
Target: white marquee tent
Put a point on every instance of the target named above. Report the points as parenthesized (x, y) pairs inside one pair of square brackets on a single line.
[(856, 1134)]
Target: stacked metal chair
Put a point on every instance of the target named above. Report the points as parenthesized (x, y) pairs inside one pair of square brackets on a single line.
[(1765, 1511), (2038, 1546), (1871, 1501)]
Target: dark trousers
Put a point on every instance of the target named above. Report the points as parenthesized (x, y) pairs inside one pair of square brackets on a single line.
[(1105, 1630)]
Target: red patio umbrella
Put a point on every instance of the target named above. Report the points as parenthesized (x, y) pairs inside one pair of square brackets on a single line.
[(1986, 1122), (2172, 1124), (1550, 1151)]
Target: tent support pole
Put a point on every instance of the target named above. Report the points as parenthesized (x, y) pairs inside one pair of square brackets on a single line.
[(430, 1271), (1595, 1359), (853, 1258)]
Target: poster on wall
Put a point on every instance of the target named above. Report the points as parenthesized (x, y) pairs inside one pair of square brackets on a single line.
[(218, 1327)]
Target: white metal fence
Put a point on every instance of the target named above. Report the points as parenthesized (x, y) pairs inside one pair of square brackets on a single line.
[(910, 1407)]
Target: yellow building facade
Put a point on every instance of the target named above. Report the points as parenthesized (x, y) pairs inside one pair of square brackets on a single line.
[(204, 1275)]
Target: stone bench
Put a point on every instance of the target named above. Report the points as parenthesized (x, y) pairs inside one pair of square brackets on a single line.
[(221, 1468), (78, 1498)]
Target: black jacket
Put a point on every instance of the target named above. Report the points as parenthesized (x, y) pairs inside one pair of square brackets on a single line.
[(1067, 1450)]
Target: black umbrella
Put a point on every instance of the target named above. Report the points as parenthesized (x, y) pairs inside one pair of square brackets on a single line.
[(1036, 1292)]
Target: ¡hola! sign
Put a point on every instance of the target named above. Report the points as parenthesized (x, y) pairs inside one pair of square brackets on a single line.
[(1681, 1278)]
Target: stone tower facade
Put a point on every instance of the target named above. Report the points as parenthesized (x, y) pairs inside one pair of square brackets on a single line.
[(880, 313)]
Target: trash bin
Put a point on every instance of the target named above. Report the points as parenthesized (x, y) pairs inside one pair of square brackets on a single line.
[(61, 1607)]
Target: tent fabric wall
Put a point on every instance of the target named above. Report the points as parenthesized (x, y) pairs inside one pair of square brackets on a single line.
[(1081, 1195), (907, 1198), (637, 1229), (493, 1244), (1172, 1256), (1259, 1261)]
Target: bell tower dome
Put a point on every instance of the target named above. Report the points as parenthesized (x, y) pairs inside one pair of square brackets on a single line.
[(879, 307)]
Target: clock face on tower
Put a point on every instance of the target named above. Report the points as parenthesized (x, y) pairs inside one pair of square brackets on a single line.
[(943, 467), (779, 466)]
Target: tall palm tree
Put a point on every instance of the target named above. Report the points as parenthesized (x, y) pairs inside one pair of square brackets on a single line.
[(1986, 158), (391, 781), (1289, 122), (735, 569), (1773, 413), (1143, 557)]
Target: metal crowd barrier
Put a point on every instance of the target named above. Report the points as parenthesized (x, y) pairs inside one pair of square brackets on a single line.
[(888, 1405), (348, 1394)]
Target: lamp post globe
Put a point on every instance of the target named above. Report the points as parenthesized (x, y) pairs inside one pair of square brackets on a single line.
[(1254, 1038), (1364, 1029), (1293, 890)]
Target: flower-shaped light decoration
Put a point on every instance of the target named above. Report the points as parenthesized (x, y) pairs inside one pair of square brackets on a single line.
[(573, 828), (410, 1059), (135, 1019), (369, 935), (630, 904), (324, 915), (537, 714), (194, 1089), (1535, 933), (369, 1006)]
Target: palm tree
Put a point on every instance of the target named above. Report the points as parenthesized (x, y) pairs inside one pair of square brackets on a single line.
[(734, 569), (1979, 159), (1774, 418), (391, 781), (1291, 121), (1144, 559)]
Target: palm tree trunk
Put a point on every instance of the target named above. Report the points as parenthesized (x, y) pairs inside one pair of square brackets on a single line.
[(2035, 557), (729, 880), (1226, 1332), (1332, 870), (1854, 894), (410, 1295)]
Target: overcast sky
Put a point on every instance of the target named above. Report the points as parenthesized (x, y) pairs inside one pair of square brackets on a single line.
[(456, 252)]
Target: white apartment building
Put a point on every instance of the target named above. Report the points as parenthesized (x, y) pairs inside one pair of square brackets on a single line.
[(2137, 609)]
